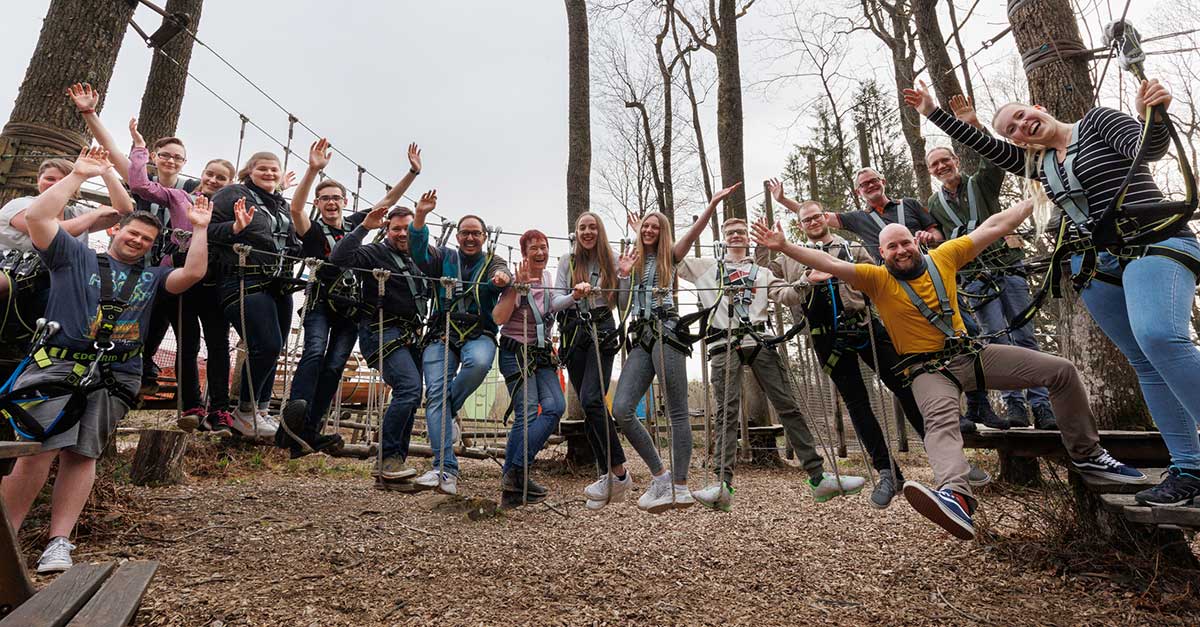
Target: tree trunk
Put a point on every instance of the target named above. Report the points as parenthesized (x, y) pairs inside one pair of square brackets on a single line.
[(78, 43), (1065, 88), (729, 108), (903, 57), (940, 68), (667, 75), (579, 133), (167, 80)]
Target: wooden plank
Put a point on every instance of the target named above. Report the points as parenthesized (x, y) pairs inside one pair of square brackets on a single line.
[(15, 587), (117, 601), (1108, 486), (1132, 447), (10, 450), (1117, 502), (58, 602), (1125, 505)]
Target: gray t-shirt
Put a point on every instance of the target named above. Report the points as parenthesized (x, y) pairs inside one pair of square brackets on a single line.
[(75, 298), (11, 238)]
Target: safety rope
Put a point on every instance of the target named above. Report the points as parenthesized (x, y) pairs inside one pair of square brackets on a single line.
[(381, 277)]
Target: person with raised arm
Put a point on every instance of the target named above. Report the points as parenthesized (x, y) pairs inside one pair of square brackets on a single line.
[(588, 286), (916, 297), (82, 375), (455, 364), (1140, 287)]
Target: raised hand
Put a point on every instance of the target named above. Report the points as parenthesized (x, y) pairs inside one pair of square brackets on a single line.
[(1151, 93), (375, 217), (92, 162), (289, 181), (920, 99), (582, 290), (964, 109), (138, 140), (200, 213), (414, 157), (501, 279), (633, 221), (427, 203), (764, 235), (627, 260), (242, 215), (84, 97), (924, 237), (524, 273), (775, 187), (319, 154), (723, 194)]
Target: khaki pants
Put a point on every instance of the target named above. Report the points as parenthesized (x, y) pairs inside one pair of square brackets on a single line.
[(1004, 368)]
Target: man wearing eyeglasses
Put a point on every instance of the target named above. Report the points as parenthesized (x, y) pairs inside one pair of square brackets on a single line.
[(882, 211), (331, 314)]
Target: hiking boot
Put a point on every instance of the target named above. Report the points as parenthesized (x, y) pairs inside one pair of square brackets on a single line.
[(718, 496), (191, 419), (57, 556), (885, 490), (1105, 466), (828, 487), (979, 410), (518, 480), (1043, 418), (607, 489), (659, 497), (394, 469), (444, 482), (319, 444), (1017, 414), (966, 425), (251, 425), (219, 422), (1181, 487), (948, 509), (978, 477)]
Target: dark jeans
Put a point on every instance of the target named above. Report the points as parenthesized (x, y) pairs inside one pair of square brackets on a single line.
[(268, 319), (589, 378), (849, 382), (537, 405), (199, 313), (328, 341), (402, 372)]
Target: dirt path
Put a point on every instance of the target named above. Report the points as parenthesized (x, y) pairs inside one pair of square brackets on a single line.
[(263, 541)]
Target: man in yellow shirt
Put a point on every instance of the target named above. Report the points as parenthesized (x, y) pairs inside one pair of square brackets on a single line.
[(917, 300)]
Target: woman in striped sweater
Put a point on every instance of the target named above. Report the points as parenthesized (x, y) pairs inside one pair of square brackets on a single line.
[(1146, 313)]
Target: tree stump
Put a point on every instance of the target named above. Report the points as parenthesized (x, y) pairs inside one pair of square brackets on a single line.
[(159, 458), (1019, 470), (1171, 546)]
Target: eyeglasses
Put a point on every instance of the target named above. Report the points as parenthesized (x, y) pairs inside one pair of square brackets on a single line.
[(812, 219), (471, 233), (869, 182), (331, 198), (732, 232), (165, 156)]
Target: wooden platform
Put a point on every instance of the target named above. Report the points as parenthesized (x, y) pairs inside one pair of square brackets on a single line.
[(1118, 498), (1139, 448)]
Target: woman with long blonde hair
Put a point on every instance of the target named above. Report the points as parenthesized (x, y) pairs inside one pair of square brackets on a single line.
[(1144, 302)]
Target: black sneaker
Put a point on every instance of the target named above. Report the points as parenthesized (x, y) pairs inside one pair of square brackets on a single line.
[(319, 444), (1043, 418), (1179, 488), (1017, 414), (516, 480), (981, 411), (966, 425)]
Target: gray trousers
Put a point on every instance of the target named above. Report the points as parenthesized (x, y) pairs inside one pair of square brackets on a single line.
[(769, 370), (637, 372), (1004, 368)]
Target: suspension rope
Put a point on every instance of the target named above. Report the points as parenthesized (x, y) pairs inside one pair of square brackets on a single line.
[(381, 277)]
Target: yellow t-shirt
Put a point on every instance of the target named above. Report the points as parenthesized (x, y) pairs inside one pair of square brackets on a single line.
[(909, 330)]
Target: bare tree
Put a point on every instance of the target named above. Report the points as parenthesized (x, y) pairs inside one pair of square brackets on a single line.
[(167, 81), (579, 132)]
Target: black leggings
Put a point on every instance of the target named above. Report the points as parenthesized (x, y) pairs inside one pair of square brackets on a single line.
[(268, 318), (201, 310), (589, 379)]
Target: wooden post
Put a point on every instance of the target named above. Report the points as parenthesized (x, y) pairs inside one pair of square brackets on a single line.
[(812, 174), (159, 458)]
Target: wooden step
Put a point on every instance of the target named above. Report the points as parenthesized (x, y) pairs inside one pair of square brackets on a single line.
[(1108, 486), (1124, 504)]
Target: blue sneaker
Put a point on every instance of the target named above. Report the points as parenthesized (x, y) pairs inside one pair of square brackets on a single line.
[(1105, 466), (945, 507), (1178, 489)]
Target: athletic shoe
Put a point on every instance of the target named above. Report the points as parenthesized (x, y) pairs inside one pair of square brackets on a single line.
[(1179, 488), (294, 414), (966, 425), (244, 422), (445, 482), (394, 469), (885, 490), (516, 480), (608, 489), (981, 411), (718, 496), (947, 508), (1043, 418), (1017, 414), (659, 497), (191, 419), (1105, 466), (219, 422), (829, 487), (683, 497), (319, 444), (57, 556), (978, 477)]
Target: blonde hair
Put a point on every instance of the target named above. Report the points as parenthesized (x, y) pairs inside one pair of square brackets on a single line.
[(664, 255), (601, 253), (1043, 208)]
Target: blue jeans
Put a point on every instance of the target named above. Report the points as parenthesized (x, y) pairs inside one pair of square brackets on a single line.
[(464, 372), (530, 428), (1147, 318), (402, 373), (328, 340), (995, 315), (268, 319)]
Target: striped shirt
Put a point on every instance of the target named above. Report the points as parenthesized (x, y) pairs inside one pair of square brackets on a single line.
[(1108, 142)]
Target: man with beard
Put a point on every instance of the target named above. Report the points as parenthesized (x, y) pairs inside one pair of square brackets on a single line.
[(916, 298), (998, 275), (390, 332)]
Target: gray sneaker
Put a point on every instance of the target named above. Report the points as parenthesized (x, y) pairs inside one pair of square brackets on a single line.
[(394, 469), (885, 490), (57, 556), (978, 477)]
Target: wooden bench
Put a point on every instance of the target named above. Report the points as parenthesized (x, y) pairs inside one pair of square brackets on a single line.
[(92, 595), (15, 586)]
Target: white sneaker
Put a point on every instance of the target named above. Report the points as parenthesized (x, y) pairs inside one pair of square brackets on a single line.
[(57, 556), (718, 496), (444, 482), (659, 497), (607, 489), (683, 497), (829, 488), (244, 423)]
